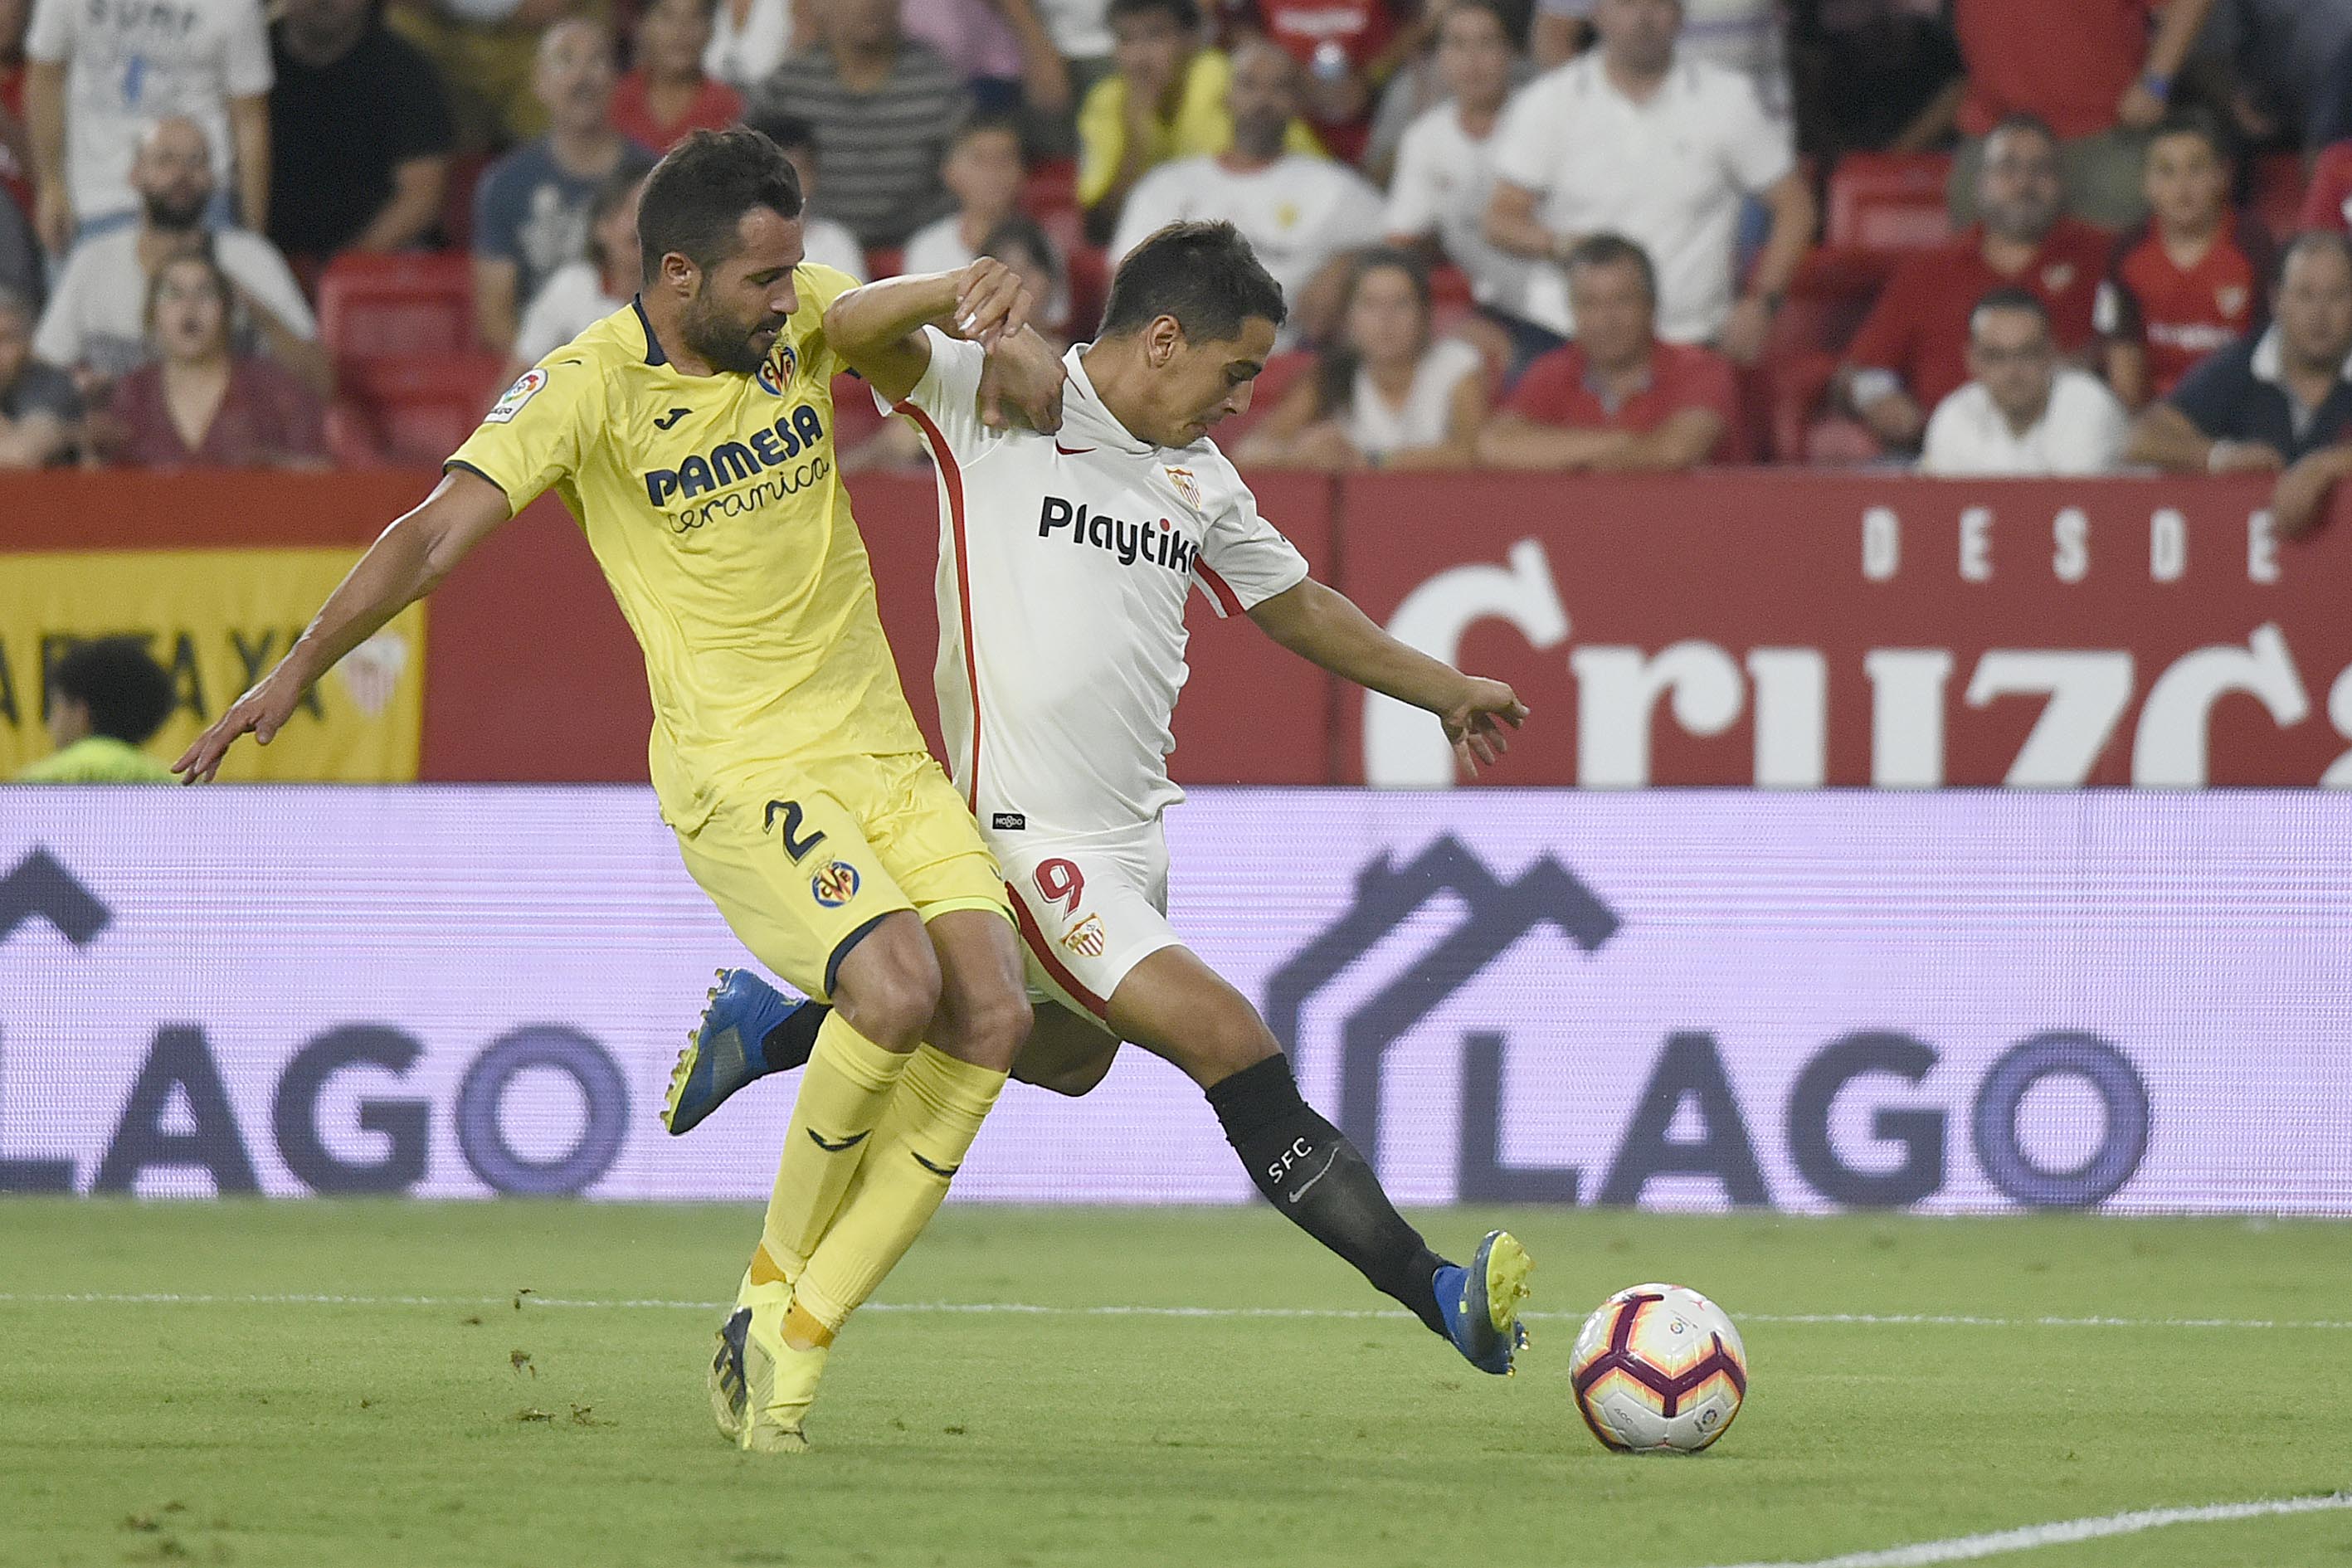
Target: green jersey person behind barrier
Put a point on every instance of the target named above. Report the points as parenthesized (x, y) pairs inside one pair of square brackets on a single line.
[(106, 699)]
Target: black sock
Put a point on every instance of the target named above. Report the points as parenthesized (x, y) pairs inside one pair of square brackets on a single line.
[(1310, 1172), (788, 1045)]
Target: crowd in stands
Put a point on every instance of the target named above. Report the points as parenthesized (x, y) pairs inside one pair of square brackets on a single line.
[(1988, 236)]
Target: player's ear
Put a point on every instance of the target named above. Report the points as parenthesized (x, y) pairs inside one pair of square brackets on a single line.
[(679, 272), (1162, 339)]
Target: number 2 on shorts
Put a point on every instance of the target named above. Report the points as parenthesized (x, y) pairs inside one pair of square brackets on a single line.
[(794, 844)]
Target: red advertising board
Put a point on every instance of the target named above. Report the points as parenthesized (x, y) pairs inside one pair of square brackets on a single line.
[(1793, 630)]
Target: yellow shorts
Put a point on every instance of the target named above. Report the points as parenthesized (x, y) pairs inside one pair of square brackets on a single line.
[(805, 860)]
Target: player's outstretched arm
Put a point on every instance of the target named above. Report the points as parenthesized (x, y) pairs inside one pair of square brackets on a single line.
[(1323, 625), (400, 568)]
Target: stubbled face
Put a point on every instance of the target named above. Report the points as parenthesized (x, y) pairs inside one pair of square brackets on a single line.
[(190, 315), (1150, 49), (2011, 352), (671, 36), (1614, 312), (2186, 184), (984, 171), (1386, 323), (1474, 57), (576, 74), (1194, 386), (740, 305), (2314, 307), (2018, 192), (1263, 100), (1638, 36), (174, 173)]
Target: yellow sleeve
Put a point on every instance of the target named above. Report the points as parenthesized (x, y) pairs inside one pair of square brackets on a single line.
[(538, 433), (817, 287), (1102, 138)]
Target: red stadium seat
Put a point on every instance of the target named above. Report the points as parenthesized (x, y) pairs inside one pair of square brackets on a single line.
[(373, 306), (1051, 187), (1089, 289), (2276, 196), (457, 198), (419, 408), (1889, 201)]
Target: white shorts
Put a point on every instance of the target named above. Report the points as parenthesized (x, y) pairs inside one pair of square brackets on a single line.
[(1090, 908)]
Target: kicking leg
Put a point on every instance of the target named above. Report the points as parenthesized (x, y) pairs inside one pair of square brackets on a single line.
[(1066, 1053)]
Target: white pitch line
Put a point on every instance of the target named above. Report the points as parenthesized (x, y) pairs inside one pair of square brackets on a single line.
[(2066, 1532), (1024, 1309)]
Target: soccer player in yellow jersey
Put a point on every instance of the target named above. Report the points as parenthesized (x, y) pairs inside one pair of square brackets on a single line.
[(691, 435)]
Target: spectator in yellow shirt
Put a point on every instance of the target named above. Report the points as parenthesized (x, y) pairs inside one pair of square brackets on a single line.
[(1165, 100), (106, 699)]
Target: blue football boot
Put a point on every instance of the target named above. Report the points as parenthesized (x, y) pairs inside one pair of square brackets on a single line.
[(724, 1052), (1481, 1302)]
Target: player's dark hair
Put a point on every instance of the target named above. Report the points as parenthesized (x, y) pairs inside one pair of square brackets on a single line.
[(697, 195), (1203, 273), (1336, 366), (2010, 298), (1187, 15), (128, 693), (2194, 121), (1022, 232), (787, 130), (1606, 249)]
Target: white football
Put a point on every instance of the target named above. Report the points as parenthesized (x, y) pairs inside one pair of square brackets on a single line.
[(1658, 1369)]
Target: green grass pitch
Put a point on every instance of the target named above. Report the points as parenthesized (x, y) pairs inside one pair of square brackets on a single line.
[(427, 1418)]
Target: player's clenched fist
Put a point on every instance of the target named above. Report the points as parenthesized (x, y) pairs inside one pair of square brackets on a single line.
[(1473, 722), (990, 304), (262, 710)]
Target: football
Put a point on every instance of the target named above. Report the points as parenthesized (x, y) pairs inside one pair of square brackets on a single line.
[(1658, 1369)]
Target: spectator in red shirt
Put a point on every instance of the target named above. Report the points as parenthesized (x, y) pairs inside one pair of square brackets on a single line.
[(1913, 349), (2328, 204), (1616, 399), (666, 98), (2093, 70), (2193, 277), (198, 405)]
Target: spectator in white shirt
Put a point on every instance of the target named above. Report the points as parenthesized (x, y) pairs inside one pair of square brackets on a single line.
[(2022, 413), (983, 172), (1749, 37), (749, 40), (1445, 178), (1637, 139), (1386, 396), (96, 322), (98, 75), (578, 294), (1299, 214)]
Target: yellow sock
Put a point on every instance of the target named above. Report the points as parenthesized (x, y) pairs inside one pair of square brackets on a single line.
[(844, 1091), (933, 1116)]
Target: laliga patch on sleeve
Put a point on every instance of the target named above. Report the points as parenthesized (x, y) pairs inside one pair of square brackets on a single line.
[(525, 388)]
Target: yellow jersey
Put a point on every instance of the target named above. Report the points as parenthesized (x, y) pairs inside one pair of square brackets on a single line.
[(715, 506)]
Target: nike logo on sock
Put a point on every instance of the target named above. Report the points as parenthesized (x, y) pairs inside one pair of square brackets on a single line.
[(1071, 451), (948, 1171), (851, 1141), (1299, 1191), (663, 422)]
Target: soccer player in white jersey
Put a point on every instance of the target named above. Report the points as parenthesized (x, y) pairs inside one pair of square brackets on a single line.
[(1066, 561)]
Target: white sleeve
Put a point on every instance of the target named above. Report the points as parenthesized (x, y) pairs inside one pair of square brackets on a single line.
[(1356, 219), (263, 273), (2092, 439), (1758, 148), (1942, 450), (49, 39), (1413, 189), (1525, 150), (540, 332), (57, 339), (248, 73), (947, 400), (1245, 560)]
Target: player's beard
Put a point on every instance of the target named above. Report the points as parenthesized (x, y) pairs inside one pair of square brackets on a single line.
[(722, 341)]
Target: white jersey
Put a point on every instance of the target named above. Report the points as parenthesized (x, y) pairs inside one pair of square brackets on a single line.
[(1065, 564)]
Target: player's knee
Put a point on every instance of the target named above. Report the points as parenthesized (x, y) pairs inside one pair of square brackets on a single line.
[(1226, 1038), (888, 990), (989, 1027)]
